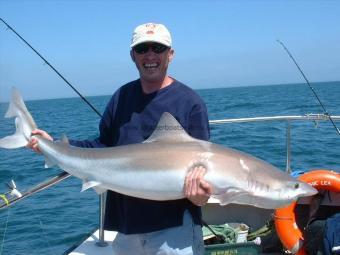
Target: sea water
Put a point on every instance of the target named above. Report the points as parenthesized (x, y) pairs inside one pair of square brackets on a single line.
[(55, 219)]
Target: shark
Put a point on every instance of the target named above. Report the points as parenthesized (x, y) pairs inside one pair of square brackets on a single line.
[(156, 169)]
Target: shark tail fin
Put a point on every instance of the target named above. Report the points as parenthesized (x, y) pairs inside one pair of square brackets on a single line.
[(24, 123)]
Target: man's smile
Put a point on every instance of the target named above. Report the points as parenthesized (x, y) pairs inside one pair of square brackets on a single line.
[(150, 65)]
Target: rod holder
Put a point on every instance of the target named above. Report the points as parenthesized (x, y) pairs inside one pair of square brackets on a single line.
[(288, 149), (101, 242)]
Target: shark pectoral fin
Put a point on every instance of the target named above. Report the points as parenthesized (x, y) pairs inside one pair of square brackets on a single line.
[(231, 195), (89, 184), (95, 185)]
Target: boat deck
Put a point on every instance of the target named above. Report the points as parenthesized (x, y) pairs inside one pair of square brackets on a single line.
[(89, 246), (213, 213)]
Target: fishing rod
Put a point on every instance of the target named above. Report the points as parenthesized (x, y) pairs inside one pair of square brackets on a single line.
[(310, 86), (7, 200), (52, 67), (14, 195)]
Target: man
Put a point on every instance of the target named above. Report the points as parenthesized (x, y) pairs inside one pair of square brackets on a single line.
[(130, 117)]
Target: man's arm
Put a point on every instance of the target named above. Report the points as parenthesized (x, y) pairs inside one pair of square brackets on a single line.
[(196, 189)]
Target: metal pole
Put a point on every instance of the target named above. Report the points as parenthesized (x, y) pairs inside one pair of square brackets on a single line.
[(288, 169), (101, 242)]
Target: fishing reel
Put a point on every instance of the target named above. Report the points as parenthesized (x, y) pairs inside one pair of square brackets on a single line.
[(13, 192)]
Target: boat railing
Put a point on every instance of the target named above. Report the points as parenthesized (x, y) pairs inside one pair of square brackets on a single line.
[(287, 119)]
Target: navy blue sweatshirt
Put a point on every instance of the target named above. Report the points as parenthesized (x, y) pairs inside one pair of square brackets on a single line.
[(130, 117)]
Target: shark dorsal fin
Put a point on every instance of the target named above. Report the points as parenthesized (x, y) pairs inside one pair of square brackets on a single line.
[(169, 130)]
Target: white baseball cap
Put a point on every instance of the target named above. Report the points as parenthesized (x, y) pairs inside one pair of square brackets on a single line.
[(151, 32)]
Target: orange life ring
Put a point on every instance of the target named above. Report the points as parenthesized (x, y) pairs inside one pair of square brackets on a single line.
[(285, 222)]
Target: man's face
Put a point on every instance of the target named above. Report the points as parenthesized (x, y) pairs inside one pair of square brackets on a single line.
[(152, 60)]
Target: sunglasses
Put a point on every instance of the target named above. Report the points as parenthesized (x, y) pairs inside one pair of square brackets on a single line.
[(155, 47)]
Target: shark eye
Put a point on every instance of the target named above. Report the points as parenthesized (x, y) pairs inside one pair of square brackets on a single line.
[(296, 186)]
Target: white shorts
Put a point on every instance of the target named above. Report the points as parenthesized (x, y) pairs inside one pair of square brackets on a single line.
[(186, 239)]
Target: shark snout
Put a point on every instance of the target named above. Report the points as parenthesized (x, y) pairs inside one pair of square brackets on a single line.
[(307, 189)]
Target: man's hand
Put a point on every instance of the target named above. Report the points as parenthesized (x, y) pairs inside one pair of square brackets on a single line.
[(33, 143), (196, 189)]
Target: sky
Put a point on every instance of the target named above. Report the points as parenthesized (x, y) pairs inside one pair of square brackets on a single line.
[(217, 43)]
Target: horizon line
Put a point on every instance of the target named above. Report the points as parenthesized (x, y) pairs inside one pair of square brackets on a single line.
[(196, 89)]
